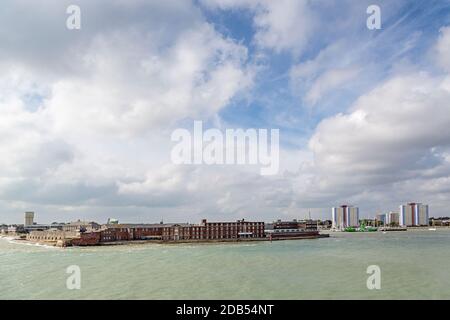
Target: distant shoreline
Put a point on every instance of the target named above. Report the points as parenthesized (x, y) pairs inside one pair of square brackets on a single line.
[(325, 233), (18, 240), (329, 231)]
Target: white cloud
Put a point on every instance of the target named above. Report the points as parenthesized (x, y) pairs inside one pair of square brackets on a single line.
[(86, 118), (443, 49), (78, 125), (392, 138), (314, 79), (386, 125), (330, 80), (285, 25), (134, 85)]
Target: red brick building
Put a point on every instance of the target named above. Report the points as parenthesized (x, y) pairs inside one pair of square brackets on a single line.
[(127, 232), (214, 231), (173, 232), (87, 239)]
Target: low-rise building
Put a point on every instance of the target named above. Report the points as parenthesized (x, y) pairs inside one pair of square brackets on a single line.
[(294, 224), (440, 222), (16, 229), (81, 226), (325, 224), (38, 227), (291, 229)]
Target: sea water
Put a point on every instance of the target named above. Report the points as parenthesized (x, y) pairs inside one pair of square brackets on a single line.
[(413, 265)]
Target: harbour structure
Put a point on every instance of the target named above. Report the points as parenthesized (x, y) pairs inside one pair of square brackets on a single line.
[(344, 216), (308, 224), (292, 229), (413, 214)]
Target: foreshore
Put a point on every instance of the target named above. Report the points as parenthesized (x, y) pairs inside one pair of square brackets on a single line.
[(17, 239)]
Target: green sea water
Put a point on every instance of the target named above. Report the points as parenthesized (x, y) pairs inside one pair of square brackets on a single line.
[(414, 265)]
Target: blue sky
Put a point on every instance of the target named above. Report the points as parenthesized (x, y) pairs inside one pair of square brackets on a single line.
[(376, 51), (87, 115)]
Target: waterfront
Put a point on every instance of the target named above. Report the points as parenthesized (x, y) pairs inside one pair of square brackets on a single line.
[(414, 265)]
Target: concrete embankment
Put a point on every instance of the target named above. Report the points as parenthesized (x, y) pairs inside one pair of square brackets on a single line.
[(67, 242), (115, 243)]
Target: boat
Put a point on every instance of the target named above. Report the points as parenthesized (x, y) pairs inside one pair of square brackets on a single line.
[(432, 229)]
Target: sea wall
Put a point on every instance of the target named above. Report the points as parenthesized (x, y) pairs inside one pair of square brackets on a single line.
[(51, 236)]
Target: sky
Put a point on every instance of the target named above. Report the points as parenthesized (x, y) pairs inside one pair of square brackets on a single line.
[(86, 116)]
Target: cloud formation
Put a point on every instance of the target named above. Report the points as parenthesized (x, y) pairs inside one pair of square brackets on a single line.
[(86, 116), (394, 142)]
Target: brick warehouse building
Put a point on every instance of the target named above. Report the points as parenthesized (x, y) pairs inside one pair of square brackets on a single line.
[(127, 232), (173, 232), (214, 231)]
